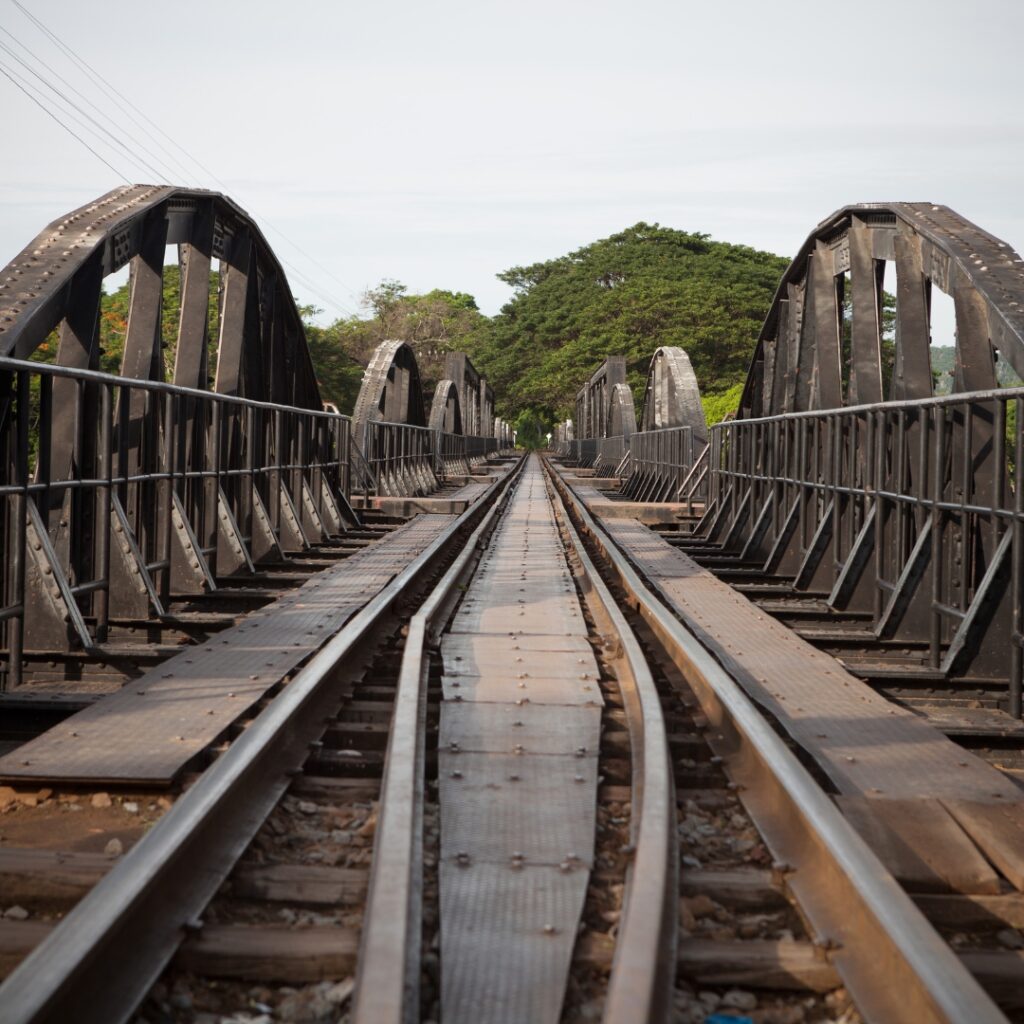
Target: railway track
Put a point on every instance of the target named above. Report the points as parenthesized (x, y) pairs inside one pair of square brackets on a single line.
[(137, 910), (387, 836)]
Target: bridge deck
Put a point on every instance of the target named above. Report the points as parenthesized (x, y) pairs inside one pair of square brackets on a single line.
[(910, 790), (148, 731), (519, 735)]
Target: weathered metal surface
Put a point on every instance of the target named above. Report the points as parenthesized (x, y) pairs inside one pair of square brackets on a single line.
[(517, 800), (645, 963), (57, 278), (866, 745), (445, 408), (506, 808), (851, 902), (390, 389), (474, 726), (475, 395), (142, 910), (517, 926), (796, 364), (655, 460), (593, 400), (149, 730), (151, 490), (672, 396)]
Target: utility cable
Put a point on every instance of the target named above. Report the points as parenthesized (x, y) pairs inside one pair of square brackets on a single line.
[(49, 113)]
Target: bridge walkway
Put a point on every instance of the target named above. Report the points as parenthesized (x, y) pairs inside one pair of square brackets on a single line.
[(518, 745)]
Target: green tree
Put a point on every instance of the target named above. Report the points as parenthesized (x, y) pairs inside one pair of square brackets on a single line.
[(625, 295), (434, 323)]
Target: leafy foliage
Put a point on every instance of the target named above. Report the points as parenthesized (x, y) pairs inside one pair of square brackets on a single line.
[(625, 295), (718, 406), (433, 324)]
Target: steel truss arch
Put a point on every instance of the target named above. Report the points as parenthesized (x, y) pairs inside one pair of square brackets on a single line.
[(391, 390), (800, 362), (446, 408), (621, 420), (55, 282), (672, 395)]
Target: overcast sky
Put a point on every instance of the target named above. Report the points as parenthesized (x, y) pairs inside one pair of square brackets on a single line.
[(441, 142)]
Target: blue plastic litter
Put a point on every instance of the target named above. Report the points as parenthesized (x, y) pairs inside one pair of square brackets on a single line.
[(724, 1018)]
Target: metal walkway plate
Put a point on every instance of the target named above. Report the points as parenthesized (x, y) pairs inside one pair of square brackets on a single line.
[(150, 729), (863, 741), (872, 750), (519, 733), (518, 925)]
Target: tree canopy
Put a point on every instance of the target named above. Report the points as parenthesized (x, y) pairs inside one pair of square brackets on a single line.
[(434, 323), (626, 295)]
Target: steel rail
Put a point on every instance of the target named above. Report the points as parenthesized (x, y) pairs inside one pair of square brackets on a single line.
[(98, 964), (894, 963), (644, 963), (388, 968)]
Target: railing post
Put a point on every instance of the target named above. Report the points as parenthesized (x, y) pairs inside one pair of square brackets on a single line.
[(101, 598), (1017, 565)]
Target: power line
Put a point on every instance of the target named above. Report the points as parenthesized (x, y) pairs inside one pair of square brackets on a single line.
[(49, 113), (94, 105), (123, 102), (84, 113), (120, 100)]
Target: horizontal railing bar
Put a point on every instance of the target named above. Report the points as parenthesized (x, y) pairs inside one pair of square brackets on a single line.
[(960, 398), (99, 377)]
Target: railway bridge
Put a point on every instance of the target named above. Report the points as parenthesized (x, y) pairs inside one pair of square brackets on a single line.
[(316, 717)]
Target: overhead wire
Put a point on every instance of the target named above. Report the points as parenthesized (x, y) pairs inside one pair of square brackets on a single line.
[(122, 102), (49, 113), (97, 126)]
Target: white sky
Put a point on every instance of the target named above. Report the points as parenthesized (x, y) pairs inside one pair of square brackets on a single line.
[(439, 142)]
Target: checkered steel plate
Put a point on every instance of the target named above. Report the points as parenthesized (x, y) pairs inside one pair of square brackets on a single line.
[(475, 727)]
